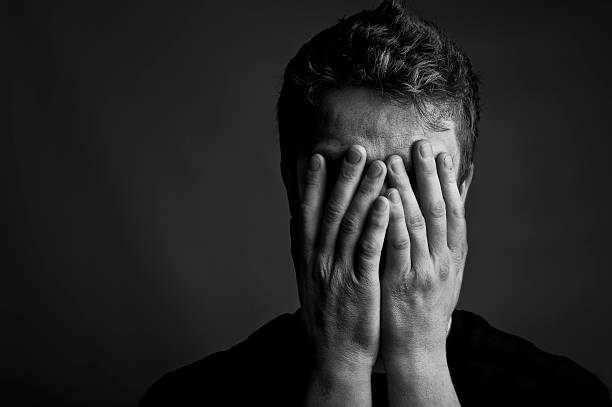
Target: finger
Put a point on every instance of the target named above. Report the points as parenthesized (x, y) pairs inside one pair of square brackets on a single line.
[(415, 223), (398, 240), (341, 195), (353, 222), (455, 212), (312, 205), (433, 206), (372, 239)]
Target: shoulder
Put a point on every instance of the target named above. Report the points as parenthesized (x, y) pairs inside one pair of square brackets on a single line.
[(238, 374), (488, 362)]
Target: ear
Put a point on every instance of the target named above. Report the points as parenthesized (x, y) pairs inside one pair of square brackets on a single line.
[(465, 185)]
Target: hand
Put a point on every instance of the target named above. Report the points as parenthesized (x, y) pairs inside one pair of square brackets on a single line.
[(426, 248), (338, 278)]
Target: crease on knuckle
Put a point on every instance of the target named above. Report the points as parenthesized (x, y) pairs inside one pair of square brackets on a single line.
[(396, 215), (457, 256), (321, 269), (400, 244), (428, 169), (311, 181), (459, 250), (360, 199), (451, 179), (437, 209), (444, 269), (398, 181), (462, 251), (378, 221), (306, 207), (307, 243), (333, 212), (336, 282), (370, 248), (458, 211), (350, 224), (415, 222), (346, 173)]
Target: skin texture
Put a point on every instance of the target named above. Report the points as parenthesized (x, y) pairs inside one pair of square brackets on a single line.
[(382, 254)]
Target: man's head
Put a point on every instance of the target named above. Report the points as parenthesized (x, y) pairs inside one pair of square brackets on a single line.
[(382, 78)]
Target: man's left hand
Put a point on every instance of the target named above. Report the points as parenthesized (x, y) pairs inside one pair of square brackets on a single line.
[(426, 247)]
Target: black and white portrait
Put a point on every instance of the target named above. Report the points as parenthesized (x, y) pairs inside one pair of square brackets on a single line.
[(326, 203)]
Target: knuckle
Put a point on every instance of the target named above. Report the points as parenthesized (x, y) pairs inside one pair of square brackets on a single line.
[(398, 291), (307, 244), (377, 220), (444, 269), (336, 280), (333, 212), (404, 286), (399, 181), (400, 244), (437, 209), (416, 222), (364, 191), (457, 256), (311, 180), (424, 280), (459, 250), (321, 269), (428, 169), (396, 215), (350, 224), (361, 196), (458, 211), (370, 248), (347, 173), (463, 251), (306, 207)]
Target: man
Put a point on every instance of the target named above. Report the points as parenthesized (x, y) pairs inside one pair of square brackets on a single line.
[(378, 121)]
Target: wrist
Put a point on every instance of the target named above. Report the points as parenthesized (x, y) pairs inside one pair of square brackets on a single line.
[(420, 379), (341, 371), (416, 362)]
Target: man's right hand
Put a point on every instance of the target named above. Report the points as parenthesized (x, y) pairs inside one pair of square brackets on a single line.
[(338, 279)]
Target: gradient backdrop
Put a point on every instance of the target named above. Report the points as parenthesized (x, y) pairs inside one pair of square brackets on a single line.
[(147, 221)]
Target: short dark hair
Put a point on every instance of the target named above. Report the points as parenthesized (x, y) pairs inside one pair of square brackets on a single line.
[(388, 49)]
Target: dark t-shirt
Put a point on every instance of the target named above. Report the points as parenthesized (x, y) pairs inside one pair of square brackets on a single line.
[(488, 368)]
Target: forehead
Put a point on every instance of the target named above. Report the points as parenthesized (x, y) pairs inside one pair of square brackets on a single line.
[(362, 116)]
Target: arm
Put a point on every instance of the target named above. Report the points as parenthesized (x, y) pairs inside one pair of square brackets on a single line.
[(426, 251)]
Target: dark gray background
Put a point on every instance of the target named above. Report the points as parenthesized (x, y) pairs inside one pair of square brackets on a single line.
[(148, 223)]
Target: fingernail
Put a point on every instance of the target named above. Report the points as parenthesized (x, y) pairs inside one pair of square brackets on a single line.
[(448, 161), (315, 163), (396, 165), (426, 150), (380, 204), (393, 195), (375, 170), (354, 155)]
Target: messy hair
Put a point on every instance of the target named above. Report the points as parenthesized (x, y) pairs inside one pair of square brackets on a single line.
[(403, 57)]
